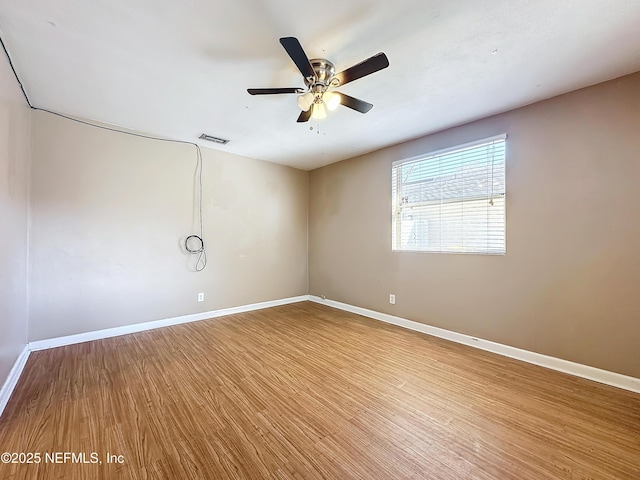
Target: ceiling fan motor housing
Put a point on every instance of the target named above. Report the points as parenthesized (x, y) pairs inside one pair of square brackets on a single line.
[(324, 70)]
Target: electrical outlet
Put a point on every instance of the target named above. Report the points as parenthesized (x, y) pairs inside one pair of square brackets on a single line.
[(201, 297), (392, 299)]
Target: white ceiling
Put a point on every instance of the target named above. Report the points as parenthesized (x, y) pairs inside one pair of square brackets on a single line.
[(180, 68)]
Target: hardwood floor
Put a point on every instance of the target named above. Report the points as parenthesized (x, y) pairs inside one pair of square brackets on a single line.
[(307, 391)]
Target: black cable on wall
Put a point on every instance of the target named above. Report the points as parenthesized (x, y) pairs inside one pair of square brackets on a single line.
[(201, 261)]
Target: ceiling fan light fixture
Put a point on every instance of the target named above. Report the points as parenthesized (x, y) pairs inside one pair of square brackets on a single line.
[(305, 101), (319, 111), (332, 100)]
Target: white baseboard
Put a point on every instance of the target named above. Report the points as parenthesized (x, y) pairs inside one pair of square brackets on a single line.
[(577, 369), (16, 371), (140, 327), (12, 379), (584, 371)]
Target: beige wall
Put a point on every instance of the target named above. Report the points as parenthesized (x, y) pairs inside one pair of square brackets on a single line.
[(110, 212), (15, 129), (569, 283)]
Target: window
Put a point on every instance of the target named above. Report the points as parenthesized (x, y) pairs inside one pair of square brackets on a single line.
[(451, 201)]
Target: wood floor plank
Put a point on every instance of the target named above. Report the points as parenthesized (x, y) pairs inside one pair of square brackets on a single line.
[(304, 391)]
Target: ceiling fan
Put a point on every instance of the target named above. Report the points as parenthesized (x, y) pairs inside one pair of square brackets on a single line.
[(319, 77)]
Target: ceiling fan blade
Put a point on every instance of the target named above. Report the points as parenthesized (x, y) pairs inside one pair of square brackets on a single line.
[(355, 104), (364, 68), (304, 116), (271, 91), (295, 51)]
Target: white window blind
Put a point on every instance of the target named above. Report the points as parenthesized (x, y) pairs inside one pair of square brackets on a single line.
[(451, 201)]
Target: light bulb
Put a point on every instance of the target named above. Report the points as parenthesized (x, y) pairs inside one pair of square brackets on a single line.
[(305, 101), (319, 111), (332, 100)]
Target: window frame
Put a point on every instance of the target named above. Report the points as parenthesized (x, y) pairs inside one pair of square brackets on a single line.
[(396, 209)]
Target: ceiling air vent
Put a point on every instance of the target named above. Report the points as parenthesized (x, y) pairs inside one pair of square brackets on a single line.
[(211, 138)]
